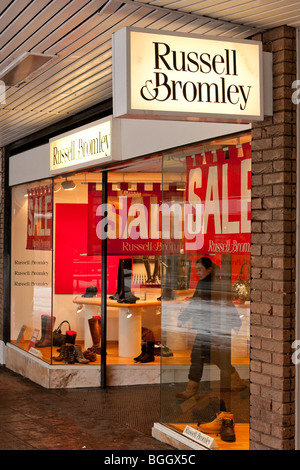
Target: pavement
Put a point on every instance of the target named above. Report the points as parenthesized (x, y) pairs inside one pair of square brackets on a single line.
[(111, 419)]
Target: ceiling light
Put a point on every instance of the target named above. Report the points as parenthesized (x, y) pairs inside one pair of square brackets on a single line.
[(68, 185), (23, 67)]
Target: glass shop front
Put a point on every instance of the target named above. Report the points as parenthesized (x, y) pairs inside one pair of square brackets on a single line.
[(168, 239)]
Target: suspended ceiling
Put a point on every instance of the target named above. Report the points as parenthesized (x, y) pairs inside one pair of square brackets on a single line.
[(76, 37)]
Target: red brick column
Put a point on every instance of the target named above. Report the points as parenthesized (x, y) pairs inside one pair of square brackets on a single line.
[(272, 374)]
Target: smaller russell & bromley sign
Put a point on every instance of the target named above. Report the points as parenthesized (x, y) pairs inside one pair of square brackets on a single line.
[(86, 146), (160, 75)]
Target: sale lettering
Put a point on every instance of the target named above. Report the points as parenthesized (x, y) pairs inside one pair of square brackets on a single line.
[(212, 215)]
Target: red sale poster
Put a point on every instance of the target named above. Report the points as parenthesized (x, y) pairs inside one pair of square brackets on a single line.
[(39, 218)]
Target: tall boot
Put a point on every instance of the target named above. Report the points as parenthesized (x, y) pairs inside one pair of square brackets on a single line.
[(143, 352), (47, 324), (147, 268), (69, 339), (149, 356), (191, 390), (95, 329), (155, 274)]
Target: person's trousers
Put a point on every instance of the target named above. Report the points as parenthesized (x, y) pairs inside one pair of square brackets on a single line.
[(203, 353)]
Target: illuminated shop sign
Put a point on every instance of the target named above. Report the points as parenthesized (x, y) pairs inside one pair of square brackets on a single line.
[(175, 76), (87, 146), (39, 218)]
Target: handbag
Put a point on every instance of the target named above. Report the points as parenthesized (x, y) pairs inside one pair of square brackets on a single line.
[(58, 338), (241, 287)]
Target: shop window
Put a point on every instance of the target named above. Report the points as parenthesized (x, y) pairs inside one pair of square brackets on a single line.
[(31, 267)]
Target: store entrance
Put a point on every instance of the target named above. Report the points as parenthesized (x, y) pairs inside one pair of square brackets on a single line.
[(134, 270)]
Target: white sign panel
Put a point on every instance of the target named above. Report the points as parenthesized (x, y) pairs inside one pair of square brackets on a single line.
[(174, 76), (86, 146)]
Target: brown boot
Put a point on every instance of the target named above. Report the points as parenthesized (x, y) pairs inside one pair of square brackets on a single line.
[(47, 324), (95, 329), (67, 354), (191, 390), (215, 426), (227, 430)]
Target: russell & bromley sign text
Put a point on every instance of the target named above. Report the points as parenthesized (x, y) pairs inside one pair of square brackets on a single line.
[(179, 76)]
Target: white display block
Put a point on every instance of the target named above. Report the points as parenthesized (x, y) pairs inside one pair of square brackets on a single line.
[(130, 332)]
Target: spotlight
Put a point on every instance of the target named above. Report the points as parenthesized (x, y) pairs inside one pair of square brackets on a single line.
[(79, 308), (68, 185), (129, 314), (180, 187)]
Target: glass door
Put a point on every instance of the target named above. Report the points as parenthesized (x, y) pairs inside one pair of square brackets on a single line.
[(206, 292)]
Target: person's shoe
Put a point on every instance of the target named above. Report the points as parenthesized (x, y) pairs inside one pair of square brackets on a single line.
[(191, 390), (215, 426), (227, 430)]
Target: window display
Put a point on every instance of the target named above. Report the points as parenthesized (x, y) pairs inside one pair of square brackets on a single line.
[(31, 269)]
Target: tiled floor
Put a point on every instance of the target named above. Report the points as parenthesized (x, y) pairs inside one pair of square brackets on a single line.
[(118, 418)]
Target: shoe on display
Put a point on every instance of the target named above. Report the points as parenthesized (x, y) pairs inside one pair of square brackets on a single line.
[(190, 391), (149, 355), (79, 357), (227, 430), (215, 426)]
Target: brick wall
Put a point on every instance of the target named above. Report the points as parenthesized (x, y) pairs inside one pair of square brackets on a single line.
[(272, 374), (2, 176)]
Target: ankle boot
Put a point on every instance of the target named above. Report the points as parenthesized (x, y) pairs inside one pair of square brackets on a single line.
[(95, 329), (149, 355), (69, 354), (215, 426), (79, 357), (227, 430), (191, 390), (47, 325), (138, 358), (90, 356), (61, 355)]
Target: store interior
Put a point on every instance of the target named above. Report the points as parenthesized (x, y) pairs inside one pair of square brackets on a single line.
[(57, 233)]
